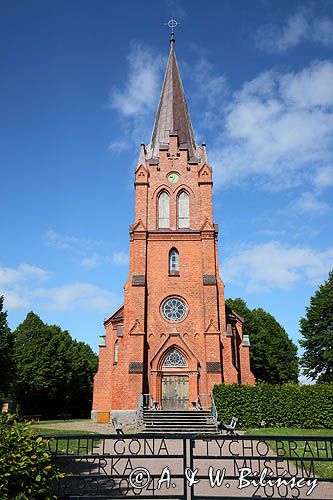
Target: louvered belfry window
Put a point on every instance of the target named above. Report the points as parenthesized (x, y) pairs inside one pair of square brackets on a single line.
[(183, 210), (163, 210)]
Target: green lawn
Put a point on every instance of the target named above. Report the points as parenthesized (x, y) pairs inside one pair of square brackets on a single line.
[(80, 446), (322, 469)]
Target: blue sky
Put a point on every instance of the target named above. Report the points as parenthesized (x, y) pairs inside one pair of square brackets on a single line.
[(79, 86)]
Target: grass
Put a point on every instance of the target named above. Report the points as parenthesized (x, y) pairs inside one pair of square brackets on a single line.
[(322, 469), (45, 422), (79, 446)]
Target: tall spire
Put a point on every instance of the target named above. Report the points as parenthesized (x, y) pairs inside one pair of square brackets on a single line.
[(172, 114)]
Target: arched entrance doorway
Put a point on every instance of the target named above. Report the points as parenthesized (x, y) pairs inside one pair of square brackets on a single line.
[(175, 381)]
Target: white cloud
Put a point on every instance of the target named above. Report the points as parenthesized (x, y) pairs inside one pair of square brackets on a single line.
[(16, 282), (210, 86), (278, 130), (81, 248), (298, 27), (24, 272), (309, 88), (136, 99), (142, 85), (75, 296), (90, 262), (324, 177), (323, 31), (207, 87), (13, 300), (121, 258), (118, 146), (276, 265), (59, 241), (21, 290), (309, 203), (67, 242)]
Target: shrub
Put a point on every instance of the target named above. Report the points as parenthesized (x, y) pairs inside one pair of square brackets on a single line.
[(288, 405), (26, 471)]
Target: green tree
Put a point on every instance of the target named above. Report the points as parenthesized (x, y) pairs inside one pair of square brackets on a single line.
[(54, 372), (273, 355), (7, 365), (317, 331)]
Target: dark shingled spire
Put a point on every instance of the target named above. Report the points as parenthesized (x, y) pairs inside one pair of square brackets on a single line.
[(172, 114)]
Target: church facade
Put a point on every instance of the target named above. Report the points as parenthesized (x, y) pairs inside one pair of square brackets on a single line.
[(174, 337)]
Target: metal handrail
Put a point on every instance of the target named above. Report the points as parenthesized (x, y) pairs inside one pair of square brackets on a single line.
[(213, 408), (204, 399), (139, 409)]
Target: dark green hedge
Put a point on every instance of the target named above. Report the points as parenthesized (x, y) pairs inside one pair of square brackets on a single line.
[(288, 405)]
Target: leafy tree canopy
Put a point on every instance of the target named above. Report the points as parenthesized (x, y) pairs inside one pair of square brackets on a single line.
[(7, 366), (317, 331), (273, 355), (54, 372)]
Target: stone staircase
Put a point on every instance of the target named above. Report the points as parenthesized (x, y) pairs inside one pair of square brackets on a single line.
[(178, 422)]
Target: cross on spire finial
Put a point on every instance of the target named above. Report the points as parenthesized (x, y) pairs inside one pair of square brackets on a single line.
[(172, 24)]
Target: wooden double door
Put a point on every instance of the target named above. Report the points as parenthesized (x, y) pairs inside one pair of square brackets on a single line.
[(175, 392)]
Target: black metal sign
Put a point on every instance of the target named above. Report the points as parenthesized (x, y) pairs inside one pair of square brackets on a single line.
[(193, 467)]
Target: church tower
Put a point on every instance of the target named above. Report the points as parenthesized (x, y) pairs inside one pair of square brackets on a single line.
[(174, 337)]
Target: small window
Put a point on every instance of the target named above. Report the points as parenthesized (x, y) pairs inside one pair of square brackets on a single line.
[(173, 261), (183, 210), (116, 352), (163, 210)]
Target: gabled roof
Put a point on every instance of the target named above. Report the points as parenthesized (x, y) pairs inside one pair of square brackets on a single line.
[(232, 315), (172, 114), (117, 315)]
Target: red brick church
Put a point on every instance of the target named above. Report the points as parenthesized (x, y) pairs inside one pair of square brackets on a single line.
[(174, 337)]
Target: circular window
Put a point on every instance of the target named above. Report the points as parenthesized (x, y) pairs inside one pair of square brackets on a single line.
[(174, 358), (174, 309)]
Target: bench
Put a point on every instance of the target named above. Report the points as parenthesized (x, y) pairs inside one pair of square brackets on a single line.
[(117, 426), (230, 428), (32, 418), (64, 416)]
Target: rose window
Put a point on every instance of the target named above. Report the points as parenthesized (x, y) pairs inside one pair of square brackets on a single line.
[(174, 309), (174, 358)]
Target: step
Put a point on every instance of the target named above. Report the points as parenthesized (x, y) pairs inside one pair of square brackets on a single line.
[(176, 412), (178, 428), (178, 422), (181, 431), (181, 417), (164, 417), (202, 418)]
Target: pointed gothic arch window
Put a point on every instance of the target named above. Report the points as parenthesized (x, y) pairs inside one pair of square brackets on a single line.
[(116, 352), (163, 210), (183, 209), (173, 261), (174, 359)]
